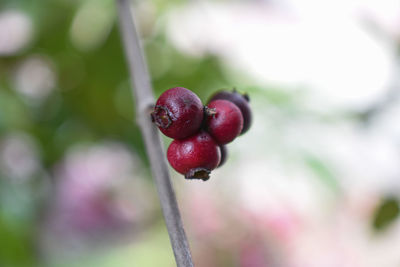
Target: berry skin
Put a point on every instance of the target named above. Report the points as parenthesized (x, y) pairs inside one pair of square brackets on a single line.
[(178, 113), (242, 101), (227, 122), (195, 157), (224, 155)]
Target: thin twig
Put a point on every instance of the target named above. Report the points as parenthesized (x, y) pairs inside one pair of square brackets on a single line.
[(144, 99)]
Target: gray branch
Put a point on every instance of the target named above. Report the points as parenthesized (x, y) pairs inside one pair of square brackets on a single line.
[(144, 99)]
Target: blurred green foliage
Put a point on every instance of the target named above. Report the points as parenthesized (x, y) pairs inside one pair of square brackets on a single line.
[(386, 213), (91, 102), (155, 243), (322, 171), (16, 221)]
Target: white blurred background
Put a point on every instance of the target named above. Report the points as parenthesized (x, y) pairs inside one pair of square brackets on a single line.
[(315, 182)]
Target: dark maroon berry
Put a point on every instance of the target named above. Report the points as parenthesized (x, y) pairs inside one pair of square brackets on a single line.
[(242, 101), (227, 122), (178, 113), (224, 155), (195, 156)]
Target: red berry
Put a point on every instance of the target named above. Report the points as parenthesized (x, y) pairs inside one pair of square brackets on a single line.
[(224, 155), (227, 122), (178, 113), (242, 101), (195, 157)]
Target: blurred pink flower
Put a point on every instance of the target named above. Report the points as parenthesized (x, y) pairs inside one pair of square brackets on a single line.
[(252, 254), (204, 217), (225, 236), (100, 193)]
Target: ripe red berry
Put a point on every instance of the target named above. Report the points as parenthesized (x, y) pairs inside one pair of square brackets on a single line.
[(195, 157), (224, 155), (178, 113), (227, 122), (242, 101)]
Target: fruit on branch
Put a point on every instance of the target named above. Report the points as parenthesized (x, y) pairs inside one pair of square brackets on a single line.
[(224, 155), (225, 121), (178, 113), (241, 101), (195, 156), (200, 132)]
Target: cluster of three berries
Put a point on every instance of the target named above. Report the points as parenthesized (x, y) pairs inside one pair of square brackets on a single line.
[(200, 132)]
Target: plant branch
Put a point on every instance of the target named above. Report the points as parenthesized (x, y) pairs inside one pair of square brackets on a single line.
[(144, 99)]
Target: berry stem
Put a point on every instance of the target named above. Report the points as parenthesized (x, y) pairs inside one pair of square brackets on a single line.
[(144, 98), (209, 111)]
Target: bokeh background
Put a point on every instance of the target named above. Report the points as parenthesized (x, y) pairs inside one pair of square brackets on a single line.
[(315, 182)]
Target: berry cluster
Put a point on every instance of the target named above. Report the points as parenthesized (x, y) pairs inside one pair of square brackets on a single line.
[(200, 132)]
